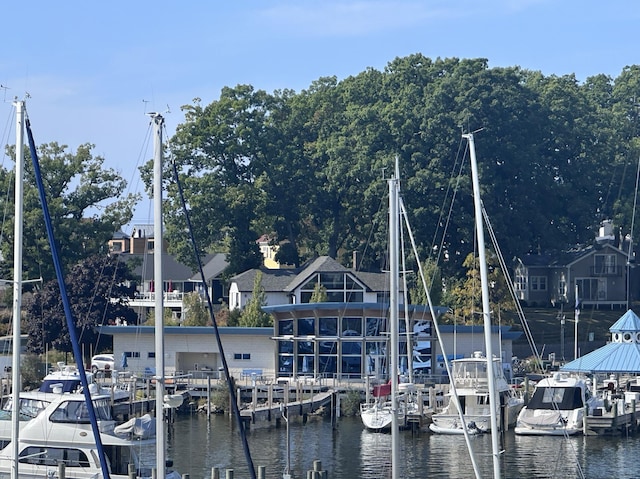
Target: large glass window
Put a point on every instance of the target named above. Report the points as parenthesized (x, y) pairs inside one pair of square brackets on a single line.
[(339, 288)]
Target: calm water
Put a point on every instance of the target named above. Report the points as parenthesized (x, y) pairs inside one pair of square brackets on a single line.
[(349, 452)]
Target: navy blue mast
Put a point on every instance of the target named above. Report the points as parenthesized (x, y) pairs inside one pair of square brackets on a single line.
[(232, 391), (65, 302)]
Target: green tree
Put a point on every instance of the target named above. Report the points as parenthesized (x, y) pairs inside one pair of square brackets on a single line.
[(252, 314), (319, 294), (97, 296), (433, 279), (466, 296), (196, 312), (86, 202), (168, 318)]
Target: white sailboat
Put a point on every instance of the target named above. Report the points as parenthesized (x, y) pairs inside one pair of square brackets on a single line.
[(486, 310), (67, 430), (392, 402)]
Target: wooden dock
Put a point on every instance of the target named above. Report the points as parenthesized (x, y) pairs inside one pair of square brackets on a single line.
[(300, 408), (619, 416)]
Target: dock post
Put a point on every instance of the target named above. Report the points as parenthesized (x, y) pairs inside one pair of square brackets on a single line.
[(132, 471), (367, 392), (229, 474), (634, 423), (254, 392), (208, 395), (585, 425), (270, 395), (262, 472), (61, 471), (215, 473), (432, 399)]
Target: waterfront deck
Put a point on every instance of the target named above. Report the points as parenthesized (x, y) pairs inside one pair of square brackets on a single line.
[(619, 417)]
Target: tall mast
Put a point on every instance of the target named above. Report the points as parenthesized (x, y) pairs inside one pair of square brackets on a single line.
[(17, 283), (394, 269), (486, 311), (158, 123)]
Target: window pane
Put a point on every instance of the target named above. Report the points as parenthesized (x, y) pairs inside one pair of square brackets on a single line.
[(335, 296), (375, 326), (328, 326), (305, 347), (351, 347), (327, 347), (306, 327), (327, 365), (285, 364), (351, 326), (351, 365), (355, 297), (332, 280), (311, 284), (285, 347), (305, 364), (285, 327)]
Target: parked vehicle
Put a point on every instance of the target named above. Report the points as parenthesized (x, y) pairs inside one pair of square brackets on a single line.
[(102, 362)]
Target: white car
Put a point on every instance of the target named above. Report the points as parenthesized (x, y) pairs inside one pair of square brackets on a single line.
[(102, 362)]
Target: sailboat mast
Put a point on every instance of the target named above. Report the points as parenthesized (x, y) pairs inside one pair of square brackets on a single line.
[(158, 122), (17, 283), (393, 317), (486, 311)]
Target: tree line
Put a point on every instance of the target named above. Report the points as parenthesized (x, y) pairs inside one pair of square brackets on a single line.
[(308, 168), (556, 157)]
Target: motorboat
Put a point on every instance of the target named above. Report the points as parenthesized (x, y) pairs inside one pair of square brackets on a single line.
[(470, 380), (66, 379), (61, 434), (557, 406)]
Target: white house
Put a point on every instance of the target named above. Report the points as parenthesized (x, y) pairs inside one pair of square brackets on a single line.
[(189, 349)]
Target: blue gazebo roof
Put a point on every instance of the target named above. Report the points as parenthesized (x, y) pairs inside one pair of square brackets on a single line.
[(622, 355)]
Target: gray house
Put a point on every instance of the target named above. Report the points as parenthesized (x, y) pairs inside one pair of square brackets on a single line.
[(296, 286), (599, 273)]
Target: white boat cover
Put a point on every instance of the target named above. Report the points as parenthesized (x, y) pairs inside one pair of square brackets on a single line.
[(142, 427)]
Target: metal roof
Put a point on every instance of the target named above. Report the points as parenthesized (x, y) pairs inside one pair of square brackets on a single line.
[(620, 356)]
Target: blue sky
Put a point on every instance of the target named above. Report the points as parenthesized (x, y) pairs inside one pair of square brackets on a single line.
[(93, 69)]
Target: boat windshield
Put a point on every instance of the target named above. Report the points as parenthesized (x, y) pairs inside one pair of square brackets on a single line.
[(563, 399), (29, 408), (76, 411)]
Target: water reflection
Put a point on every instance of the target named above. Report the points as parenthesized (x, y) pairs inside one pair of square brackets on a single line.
[(349, 452)]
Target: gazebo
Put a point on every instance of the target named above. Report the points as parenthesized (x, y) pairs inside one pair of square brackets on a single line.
[(621, 355)]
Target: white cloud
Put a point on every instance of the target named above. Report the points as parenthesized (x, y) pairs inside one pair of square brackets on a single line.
[(348, 18)]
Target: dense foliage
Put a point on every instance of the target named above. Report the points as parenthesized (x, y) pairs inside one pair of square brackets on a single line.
[(97, 296), (556, 157), (86, 204)]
